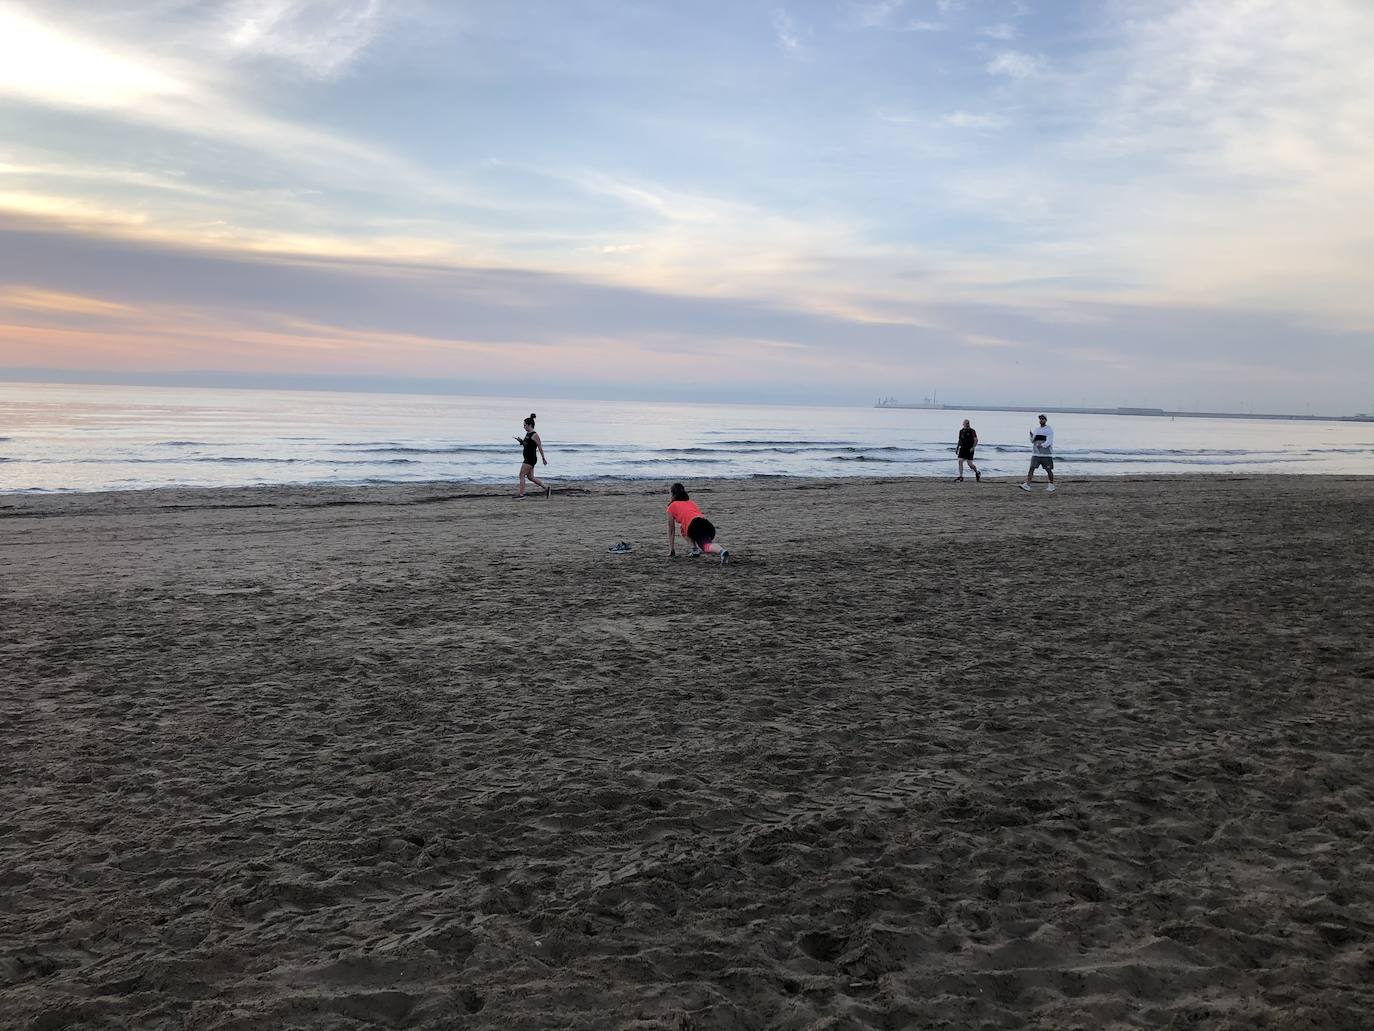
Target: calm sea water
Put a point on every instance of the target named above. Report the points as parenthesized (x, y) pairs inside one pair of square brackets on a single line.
[(91, 438)]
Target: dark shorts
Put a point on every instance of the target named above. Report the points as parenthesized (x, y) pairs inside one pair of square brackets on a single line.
[(700, 531), (966, 453), (1042, 462)]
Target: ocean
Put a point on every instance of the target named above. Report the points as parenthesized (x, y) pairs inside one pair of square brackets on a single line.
[(100, 438)]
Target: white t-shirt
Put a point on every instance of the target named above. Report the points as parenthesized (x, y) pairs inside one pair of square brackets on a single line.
[(1046, 446)]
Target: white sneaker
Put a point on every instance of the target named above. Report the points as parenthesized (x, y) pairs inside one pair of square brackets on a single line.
[(1025, 487), (695, 553), (1049, 489), (724, 556)]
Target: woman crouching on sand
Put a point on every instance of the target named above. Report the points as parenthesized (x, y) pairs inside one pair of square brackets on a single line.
[(531, 447), (684, 514)]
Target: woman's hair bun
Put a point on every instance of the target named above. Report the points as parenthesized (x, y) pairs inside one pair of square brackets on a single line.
[(531, 417)]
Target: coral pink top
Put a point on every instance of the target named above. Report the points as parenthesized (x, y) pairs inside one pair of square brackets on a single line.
[(683, 512)]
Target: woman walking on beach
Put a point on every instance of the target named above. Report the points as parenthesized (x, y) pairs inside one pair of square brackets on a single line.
[(968, 440), (684, 515), (532, 447)]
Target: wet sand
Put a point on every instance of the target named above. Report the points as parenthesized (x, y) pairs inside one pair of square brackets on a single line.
[(924, 755)]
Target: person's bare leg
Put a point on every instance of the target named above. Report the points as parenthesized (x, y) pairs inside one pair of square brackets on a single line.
[(976, 474), (523, 475), (1030, 474), (961, 468)]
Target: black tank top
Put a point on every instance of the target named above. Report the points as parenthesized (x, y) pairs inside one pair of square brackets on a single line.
[(531, 449), (966, 437)]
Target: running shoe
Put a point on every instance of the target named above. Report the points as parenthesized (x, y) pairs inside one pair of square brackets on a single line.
[(1025, 487), (724, 556), (1049, 489), (695, 552), (519, 497), (977, 476)]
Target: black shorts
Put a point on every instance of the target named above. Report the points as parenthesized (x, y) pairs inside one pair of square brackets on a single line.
[(1042, 462), (966, 453), (700, 531)]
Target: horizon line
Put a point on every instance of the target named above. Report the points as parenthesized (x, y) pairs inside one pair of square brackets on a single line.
[(343, 383)]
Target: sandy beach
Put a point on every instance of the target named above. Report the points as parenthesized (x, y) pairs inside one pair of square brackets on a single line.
[(924, 755)]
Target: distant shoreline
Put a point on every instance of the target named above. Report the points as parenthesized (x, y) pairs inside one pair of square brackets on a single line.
[(1155, 412)]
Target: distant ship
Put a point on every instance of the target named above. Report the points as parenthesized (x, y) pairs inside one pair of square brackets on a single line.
[(932, 404)]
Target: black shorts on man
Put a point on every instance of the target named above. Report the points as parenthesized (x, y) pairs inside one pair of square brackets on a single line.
[(1042, 462)]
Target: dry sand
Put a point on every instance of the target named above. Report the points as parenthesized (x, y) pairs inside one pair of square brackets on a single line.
[(927, 755)]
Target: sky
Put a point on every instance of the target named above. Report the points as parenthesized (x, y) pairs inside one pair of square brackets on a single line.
[(1116, 202)]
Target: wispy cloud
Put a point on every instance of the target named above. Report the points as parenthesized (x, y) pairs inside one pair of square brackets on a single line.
[(46, 63), (1014, 64), (875, 13), (999, 31), (1249, 130), (698, 242), (26, 298), (248, 177), (322, 36), (972, 120), (891, 16), (41, 63), (785, 30)]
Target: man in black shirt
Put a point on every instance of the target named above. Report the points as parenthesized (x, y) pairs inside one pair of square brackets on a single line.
[(968, 440)]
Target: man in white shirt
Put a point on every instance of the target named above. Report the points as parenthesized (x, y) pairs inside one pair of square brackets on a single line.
[(1042, 454)]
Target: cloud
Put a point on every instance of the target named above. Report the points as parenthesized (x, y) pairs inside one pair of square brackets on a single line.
[(875, 13), (785, 30), (995, 342), (1247, 127), (971, 120), (70, 210), (884, 14), (1014, 64), (322, 36), (22, 298), (40, 63), (700, 242), (46, 63), (1000, 31), (139, 306)]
